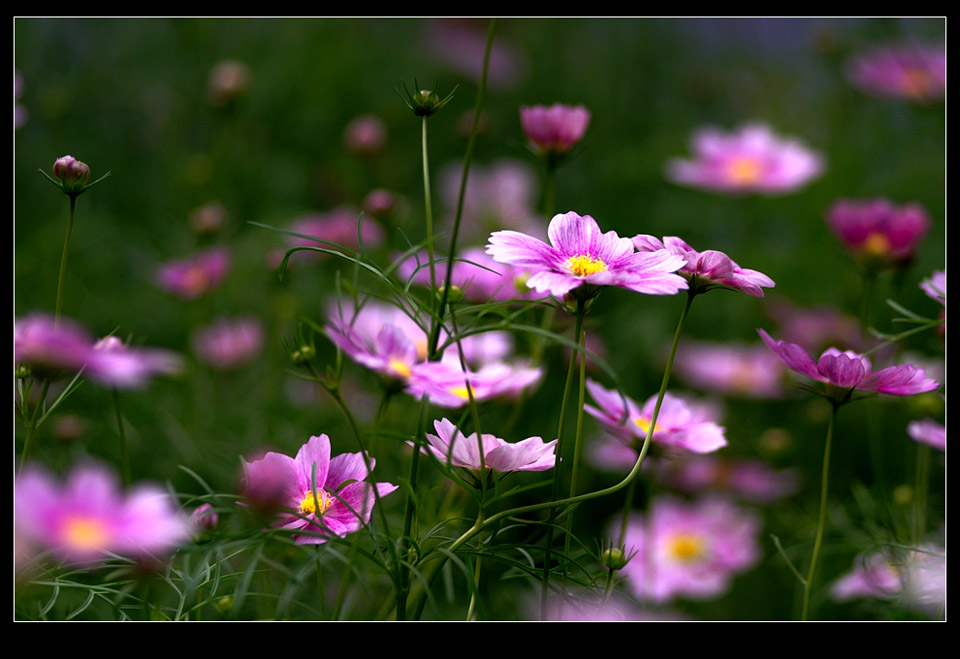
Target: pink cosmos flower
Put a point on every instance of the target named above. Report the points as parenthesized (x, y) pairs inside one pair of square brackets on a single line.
[(475, 273), (88, 518), (751, 480), (916, 578), (751, 160), (196, 276), (580, 257), (681, 424), (555, 129), (322, 495), (844, 372), (929, 432), (338, 226), (936, 286), (204, 518), (445, 383), (451, 447), (113, 364), (229, 343), (731, 369), (872, 576), (914, 72), (689, 550), (877, 232), (460, 43), (705, 270), (365, 135), (48, 347)]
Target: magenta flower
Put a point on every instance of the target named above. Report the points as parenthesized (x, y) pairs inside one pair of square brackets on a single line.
[(929, 432), (877, 232), (451, 447), (706, 270), (680, 424), (844, 372), (731, 369), (751, 480), (580, 257), (113, 364), (50, 348), (752, 160), (555, 129), (196, 276), (321, 495), (88, 518), (204, 518), (936, 286), (689, 550), (914, 72), (229, 343)]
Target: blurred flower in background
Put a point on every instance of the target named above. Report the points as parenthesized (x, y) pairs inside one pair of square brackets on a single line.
[(20, 113), (816, 328), (112, 363), (929, 432), (750, 160), (475, 273), (196, 275), (338, 226), (554, 129), (209, 218), (731, 369), (916, 578), (750, 480), (365, 135), (229, 79), (229, 342), (909, 71), (878, 233), (460, 43), (936, 286)]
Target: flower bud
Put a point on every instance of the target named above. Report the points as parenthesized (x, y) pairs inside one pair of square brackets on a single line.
[(454, 295), (614, 558), (204, 519), (71, 174), (425, 102)]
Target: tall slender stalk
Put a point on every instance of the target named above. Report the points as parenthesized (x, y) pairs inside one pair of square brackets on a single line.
[(124, 453), (63, 259), (822, 518)]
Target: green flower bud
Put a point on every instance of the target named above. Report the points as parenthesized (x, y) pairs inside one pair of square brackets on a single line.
[(614, 558)]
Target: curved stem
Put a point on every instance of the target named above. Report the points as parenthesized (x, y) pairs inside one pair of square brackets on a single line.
[(63, 259), (822, 518)]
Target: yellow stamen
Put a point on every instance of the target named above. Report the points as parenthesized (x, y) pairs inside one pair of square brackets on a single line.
[(399, 367), (686, 548), (584, 264), (744, 170), (309, 504), (85, 533), (876, 244), (460, 391), (644, 423)]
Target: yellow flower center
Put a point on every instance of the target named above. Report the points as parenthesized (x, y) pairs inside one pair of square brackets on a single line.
[(686, 547), (460, 391), (85, 533), (520, 282), (744, 170), (876, 244), (400, 368), (584, 264), (644, 424), (309, 504)]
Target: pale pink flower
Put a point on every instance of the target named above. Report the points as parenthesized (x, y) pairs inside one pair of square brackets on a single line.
[(731, 369), (689, 550), (475, 273), (321, 495), (873, 576), (113, 364), (88, 518), (339, 227), (814, 327), (706, 270), (936, 286), (916, 578), (445, 383), (209, 218), (914, 72), (929, 432), (580, 258), (229, 342), (877, 232), (48, 347), (751, 160), (554, 129), (450, 446), (459, 43), (680, 423), (365, 135), (195, 276), (750, 480)]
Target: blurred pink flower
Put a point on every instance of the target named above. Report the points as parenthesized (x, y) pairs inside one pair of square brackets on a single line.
[(209, 218), (936, 286), (816, 327), (844, 372), (228, 80), (475, 273), (706, 270), (914, 72), (365, 134), (88, 518), (555, 129), (379, 202), (322, 495), (113, 364), (680, 423), (877, 232), (446, 383), (929, 432), (195, 276), (916, 578), (688, 550), (731, 369), (751, 480), (229, 342), (580, 257), (49, 347), (20, 112), (751, 160), (460, 43), (872, 576), (204, 518), (450, 446), (338, 226)]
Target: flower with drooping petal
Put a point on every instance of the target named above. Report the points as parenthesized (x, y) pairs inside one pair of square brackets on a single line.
[(195, 276), (321, 495), (114, 364), (229, 343), (915, 72), (580, 258), (450, 446), (878, 233), (689, 550), (88, 517), (731, 369), (929, 432), (844, 372), (554, 129), (706, 270), (751, 160), (680, 424)]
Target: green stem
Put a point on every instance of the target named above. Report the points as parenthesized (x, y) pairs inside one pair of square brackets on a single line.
[(920, 490), (124, 453), (63, 259), (578, 437), (31, 425), (428, 215), (408, 512), (822, 518)]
